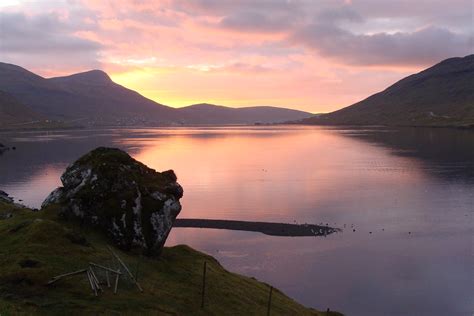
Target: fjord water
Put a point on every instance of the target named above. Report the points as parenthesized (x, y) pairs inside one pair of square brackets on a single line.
[(407, 193)]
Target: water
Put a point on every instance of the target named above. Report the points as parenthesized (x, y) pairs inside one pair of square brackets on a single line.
[(412, 188)]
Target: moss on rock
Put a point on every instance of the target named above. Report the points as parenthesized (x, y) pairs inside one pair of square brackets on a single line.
[(133, 204)]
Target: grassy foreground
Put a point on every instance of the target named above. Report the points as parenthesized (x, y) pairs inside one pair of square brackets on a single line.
[(35, 246)]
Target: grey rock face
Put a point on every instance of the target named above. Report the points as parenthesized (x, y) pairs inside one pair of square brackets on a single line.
[(134, 205)]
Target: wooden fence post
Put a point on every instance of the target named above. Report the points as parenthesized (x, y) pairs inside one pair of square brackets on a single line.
[(203, 292), (269, 301)]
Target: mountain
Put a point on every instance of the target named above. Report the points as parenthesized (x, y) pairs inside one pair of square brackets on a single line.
[(442, 95), (91, 98), (215, 114), (12, 112)]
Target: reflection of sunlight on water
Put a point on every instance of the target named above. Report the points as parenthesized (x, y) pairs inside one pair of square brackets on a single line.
[(272, 175)]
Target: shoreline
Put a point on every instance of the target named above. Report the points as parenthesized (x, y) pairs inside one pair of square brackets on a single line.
[(292, 124)]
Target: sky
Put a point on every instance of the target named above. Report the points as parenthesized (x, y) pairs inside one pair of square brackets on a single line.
[(312, 55)]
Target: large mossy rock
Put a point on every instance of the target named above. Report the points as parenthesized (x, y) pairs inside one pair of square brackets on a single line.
[(133, 204)]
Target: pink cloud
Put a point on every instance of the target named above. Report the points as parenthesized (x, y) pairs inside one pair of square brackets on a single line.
[(317, 56)]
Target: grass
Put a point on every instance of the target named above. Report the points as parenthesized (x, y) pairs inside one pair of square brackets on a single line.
[(35, 246)]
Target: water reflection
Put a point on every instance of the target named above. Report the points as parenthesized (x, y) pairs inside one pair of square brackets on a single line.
[(412, 188), (448, 153)]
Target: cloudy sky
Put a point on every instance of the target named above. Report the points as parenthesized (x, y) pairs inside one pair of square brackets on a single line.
[(315, 55)]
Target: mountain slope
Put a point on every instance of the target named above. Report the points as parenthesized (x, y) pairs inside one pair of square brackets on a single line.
[(92, 98), (442, 95), (35, 91), (109, 100), (13, 112), (216, 114)]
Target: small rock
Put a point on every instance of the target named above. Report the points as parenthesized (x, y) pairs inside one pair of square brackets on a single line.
[(29, 263), (3, 148), (4, 197)]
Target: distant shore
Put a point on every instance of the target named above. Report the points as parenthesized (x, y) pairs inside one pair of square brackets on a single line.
[(6, 129)]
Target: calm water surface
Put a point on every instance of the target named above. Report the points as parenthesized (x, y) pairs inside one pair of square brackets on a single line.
[(412, 188)]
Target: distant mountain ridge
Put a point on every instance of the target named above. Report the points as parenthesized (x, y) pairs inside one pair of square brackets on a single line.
[(93, 99), (442, 95), (213, 114)]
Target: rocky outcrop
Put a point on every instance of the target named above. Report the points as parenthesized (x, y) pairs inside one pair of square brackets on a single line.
[(8, 200), (4, 197), (133, 204)]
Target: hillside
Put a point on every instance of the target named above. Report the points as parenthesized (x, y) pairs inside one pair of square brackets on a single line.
[(92, 99), (442, 95), (12, 112), (36, 246), (215, 114)]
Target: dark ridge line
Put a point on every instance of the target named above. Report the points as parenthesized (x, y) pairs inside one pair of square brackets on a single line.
[(272, 229)]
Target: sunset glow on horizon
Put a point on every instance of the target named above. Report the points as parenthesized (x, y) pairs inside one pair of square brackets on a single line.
[(316, 56)]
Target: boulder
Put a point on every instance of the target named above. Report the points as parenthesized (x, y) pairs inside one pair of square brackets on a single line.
[(132, 204)]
